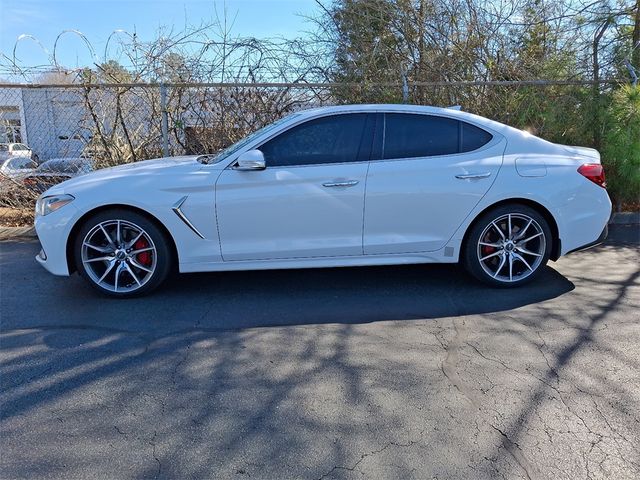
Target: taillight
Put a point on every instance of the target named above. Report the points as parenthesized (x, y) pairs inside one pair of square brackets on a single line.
[(594, 172)]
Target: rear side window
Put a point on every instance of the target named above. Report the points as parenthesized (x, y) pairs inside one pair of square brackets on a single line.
[(409, 136), (334, 139), (412, 135), (472, 137)]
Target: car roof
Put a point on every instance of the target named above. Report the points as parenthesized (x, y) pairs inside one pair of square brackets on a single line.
[(450, 112)]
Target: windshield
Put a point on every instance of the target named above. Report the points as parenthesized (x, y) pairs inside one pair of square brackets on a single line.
[(231, 149)]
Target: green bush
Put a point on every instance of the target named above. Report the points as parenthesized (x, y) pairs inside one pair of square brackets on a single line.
[(621, 148)]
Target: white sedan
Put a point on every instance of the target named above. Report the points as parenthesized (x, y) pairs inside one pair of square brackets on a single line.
[(335, 186)]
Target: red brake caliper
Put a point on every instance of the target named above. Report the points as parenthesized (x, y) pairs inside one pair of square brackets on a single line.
[(144, 258)]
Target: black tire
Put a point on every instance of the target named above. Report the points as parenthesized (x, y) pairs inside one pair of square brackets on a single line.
[(489, 225), (153, 244)]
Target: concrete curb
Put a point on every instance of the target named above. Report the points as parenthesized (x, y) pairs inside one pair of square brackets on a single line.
[(10, 233)]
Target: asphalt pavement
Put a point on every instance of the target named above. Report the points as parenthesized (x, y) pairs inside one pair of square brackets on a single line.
[(395, 372)]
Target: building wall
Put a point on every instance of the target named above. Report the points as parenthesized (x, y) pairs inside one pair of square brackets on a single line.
[(54, 117)]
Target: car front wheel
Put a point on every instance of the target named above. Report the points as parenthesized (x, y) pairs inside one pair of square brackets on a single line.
[(122, 253), (508, 246)]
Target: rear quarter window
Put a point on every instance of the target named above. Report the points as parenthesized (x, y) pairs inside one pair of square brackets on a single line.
[(472, 137)]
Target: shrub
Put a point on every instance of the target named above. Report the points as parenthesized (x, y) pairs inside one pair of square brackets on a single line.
[(621, 149)]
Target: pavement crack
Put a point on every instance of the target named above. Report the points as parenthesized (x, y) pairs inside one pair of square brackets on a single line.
[(155, 456), (516, 453), (369, 454)]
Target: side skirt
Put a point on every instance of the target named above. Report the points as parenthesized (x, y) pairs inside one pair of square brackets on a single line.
[(331, 262)]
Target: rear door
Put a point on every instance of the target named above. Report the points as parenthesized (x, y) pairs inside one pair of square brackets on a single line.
[(308, 202), (430, 173)]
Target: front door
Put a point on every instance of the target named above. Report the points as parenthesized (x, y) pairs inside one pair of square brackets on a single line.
[(308, 202)]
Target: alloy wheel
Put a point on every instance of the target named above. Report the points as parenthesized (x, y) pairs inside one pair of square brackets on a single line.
[(511, 247), (119, 256)]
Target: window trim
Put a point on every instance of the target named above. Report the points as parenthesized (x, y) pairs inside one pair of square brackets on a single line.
[(496, 137), (230, 160)]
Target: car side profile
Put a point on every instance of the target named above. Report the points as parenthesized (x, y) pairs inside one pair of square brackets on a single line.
[(332, 187)]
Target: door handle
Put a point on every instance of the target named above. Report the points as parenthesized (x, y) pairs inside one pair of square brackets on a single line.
[(468, 176), (346, 183)]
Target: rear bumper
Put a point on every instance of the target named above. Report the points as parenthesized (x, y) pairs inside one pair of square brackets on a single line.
[(598, 241)]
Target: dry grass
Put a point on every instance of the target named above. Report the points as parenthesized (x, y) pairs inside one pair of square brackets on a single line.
[(16, 217)]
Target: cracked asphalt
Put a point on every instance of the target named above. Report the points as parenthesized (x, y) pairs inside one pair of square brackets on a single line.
[(394, 372)]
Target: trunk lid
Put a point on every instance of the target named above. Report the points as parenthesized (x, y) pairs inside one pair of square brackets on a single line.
[(589, 154)]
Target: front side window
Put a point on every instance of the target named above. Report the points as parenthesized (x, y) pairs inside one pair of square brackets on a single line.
[(413, 136), (233, 148), (333, 139)]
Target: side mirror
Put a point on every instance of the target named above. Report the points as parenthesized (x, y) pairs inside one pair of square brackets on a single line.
[(251, 160)]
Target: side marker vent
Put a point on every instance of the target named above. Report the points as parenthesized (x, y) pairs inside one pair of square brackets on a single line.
[(178, 211)]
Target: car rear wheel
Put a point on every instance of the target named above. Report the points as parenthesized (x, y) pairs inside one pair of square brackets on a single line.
[(122, 253), (508, 246)]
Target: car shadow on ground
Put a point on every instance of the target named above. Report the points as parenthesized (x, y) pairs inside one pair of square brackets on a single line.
[(350, 295), (235, 300)]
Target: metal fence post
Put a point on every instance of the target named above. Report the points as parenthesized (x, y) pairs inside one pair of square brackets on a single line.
[(405, 88), (165, 119)]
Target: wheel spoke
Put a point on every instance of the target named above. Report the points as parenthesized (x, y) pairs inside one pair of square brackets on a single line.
[(146, 249), (136, 264), (511, 268), (98, 259), (99, 249), (491, 255), (107, 236), (132, 242), (521, 258), (528, 252), (502, 262), (494, 245), (524, 230), (128, 268), (106, 272), (526, 240), (498, 229), (118, 234), (510, 231), (119, 269)]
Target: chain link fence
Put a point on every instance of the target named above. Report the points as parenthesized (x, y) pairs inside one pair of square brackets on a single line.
[(99, 125)]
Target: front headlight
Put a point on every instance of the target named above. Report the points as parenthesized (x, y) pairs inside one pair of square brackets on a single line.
[(46, 205)]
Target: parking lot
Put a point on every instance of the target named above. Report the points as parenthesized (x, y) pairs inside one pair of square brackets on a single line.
[(394, 372)]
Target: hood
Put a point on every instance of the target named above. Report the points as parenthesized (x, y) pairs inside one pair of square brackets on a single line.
[(167, 166)]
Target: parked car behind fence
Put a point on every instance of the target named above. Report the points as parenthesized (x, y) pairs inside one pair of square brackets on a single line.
[(8, 150), (57, 170)]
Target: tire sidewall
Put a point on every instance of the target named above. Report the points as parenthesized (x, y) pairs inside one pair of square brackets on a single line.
[(470, 257), (161, 243)]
